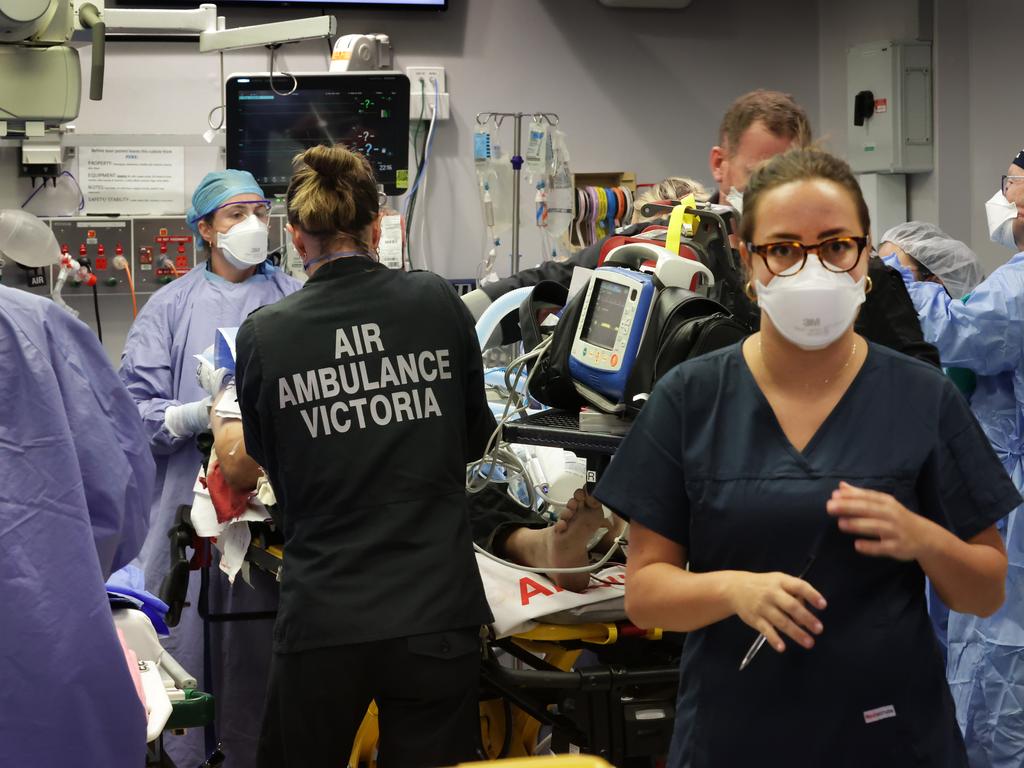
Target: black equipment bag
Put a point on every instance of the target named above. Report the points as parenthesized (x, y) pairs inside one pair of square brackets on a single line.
[(551, 382), (682, 325)]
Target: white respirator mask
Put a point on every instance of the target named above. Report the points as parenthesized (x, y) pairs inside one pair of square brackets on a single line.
[(813, 307), (1001, 214), (245, 244), (735, 198)]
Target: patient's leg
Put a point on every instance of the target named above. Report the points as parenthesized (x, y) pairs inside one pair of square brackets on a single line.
[(563, 545)]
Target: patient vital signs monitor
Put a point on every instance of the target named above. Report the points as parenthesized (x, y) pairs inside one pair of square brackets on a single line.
[(366, 112), (615, 313)]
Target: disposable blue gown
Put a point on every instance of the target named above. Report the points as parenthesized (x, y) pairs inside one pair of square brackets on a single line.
[(159, 368), (986, 656), (76, 479)]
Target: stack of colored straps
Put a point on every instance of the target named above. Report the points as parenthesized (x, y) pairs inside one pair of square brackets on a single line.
[(599, 211)]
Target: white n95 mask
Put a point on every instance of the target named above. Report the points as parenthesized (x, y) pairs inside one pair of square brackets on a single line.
[(814, 307), (1001, 214), (735, 198), (245, 244)]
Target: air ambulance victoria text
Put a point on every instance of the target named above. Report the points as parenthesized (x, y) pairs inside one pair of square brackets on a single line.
[(402, 381)]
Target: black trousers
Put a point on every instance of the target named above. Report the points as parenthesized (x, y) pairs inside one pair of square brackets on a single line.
[(426, 688)]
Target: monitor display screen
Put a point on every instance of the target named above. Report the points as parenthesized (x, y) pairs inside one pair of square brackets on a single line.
[(366, 112), (604, 315)]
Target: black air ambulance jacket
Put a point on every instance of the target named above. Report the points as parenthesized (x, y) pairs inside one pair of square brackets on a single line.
[(362, 397)]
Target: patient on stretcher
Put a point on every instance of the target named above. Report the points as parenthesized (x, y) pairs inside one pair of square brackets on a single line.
[(499, 525)]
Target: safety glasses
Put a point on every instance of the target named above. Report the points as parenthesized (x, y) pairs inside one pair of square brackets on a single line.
[(261, 208), (1009, 181)]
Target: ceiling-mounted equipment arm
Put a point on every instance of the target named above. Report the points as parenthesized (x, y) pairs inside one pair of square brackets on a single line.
[(90, 18)]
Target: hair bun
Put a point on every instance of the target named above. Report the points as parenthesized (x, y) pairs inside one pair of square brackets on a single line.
[(330, 162), (332, 191)]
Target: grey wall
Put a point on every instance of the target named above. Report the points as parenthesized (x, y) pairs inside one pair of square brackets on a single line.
[(842, 25), (977, 119), (940, 196), (994, 112), (636, 90)]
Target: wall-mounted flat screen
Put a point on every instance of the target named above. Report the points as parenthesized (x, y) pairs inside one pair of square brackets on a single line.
[(368, 112)]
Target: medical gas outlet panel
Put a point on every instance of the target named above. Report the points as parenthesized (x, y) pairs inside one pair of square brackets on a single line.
[(164, 249), (157, 251), (103, 244)]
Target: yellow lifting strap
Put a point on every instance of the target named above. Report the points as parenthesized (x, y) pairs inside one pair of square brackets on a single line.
[(680, 222)]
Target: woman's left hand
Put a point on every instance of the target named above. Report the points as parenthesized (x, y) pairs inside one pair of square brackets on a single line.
[(888, 528)]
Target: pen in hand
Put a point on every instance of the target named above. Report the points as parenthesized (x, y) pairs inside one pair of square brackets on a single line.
[(760, 640)]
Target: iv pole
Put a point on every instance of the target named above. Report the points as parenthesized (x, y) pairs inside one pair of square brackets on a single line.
[(483, 118)]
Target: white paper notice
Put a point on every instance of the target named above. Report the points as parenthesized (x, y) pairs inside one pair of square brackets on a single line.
[(133, 180)]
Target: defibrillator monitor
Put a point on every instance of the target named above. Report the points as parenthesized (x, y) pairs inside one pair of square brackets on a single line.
[(366, 112), (613, 319)]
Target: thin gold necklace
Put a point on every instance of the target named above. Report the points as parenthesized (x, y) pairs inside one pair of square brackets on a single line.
[(853, 351)]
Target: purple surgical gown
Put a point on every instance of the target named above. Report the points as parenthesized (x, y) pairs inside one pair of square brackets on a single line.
[(76, 480)]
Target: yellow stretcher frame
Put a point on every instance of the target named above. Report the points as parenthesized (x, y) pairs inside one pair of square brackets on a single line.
[(549, 761), (544, 641)]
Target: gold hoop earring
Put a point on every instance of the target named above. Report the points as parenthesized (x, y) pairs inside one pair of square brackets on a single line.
[(869, 286), (749, 291)]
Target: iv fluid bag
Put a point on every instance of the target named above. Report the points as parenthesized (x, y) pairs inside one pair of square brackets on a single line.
[(494, 177), (561, 195)]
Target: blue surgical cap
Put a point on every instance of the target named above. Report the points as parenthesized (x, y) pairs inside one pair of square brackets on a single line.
[(215, 188)]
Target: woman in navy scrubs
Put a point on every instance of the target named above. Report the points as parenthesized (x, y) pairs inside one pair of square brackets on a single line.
[(810, 480)]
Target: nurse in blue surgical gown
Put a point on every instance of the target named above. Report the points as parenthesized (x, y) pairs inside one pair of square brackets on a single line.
[(984, 333), (230, 215)]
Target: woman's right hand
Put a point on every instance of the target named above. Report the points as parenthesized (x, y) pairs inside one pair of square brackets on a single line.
[(774, 603)]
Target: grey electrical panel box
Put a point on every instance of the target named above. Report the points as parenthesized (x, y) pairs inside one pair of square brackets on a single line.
[(889, 103)]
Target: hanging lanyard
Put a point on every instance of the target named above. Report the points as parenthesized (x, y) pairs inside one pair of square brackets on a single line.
[(602, 211), (592, 199), (577, 219), (613, 210)]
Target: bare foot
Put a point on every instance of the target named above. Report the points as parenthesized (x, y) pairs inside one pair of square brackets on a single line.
[(568, 538)]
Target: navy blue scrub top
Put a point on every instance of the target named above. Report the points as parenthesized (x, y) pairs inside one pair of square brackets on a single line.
[(707, 465)]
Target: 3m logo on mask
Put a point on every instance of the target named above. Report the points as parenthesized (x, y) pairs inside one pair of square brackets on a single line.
[(813, 307), (245, 244), (403, 383)]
